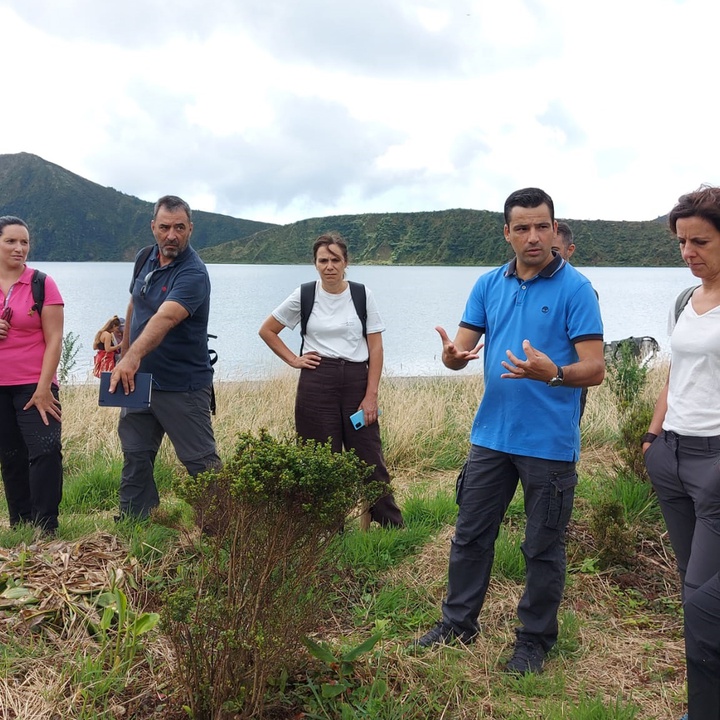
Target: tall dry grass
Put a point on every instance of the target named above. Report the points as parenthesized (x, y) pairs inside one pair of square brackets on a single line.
[(425, 421)]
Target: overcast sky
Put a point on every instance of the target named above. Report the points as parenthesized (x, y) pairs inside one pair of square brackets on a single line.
[(279, 110)]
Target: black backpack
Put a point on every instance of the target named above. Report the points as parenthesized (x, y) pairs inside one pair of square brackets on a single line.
[(307, 299)]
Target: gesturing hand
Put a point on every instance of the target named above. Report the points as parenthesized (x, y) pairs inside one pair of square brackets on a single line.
[(537, 366), (453, 356)]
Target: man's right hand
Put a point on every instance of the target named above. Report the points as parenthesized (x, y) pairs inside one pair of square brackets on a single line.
[(124, 373), (455, 357), (4, 327)]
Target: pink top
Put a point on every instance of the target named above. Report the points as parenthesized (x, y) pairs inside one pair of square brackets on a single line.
[(22, 351)]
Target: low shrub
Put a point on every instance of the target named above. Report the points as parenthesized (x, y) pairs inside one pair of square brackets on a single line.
[(237, 613)]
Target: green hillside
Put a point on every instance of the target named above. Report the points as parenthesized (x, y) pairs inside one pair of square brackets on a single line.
[(71, 218), (448, 237)]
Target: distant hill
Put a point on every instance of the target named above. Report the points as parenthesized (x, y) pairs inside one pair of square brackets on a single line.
[(71, 218), (448, 237)]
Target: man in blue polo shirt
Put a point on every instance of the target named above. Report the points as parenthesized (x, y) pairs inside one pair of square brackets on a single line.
[(168, 322), (543, 343)]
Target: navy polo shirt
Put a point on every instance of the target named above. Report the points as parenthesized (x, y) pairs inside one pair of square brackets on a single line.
[(181, 362), (554, 310)]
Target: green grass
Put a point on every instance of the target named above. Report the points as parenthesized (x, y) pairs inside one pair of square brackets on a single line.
[(618, 655)]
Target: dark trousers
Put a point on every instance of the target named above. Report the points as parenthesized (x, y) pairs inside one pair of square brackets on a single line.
[(485, 488), (702, 649), (326, 397), (30, 459), (185, 417), (686, 476)]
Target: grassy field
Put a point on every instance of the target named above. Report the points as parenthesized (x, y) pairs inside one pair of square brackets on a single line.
[(72, 648)]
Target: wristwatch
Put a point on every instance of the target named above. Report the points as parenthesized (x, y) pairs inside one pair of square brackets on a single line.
[(558, 379)]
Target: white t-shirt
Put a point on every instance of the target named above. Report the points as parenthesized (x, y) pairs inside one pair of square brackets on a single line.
[(693, 393), (334, 329)]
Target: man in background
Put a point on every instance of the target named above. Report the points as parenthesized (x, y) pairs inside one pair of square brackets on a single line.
[(166, 335), (543, 343), (565, 245)]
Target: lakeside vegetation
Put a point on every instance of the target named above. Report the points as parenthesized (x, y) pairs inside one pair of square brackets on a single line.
[(73, 219), (79, 615)]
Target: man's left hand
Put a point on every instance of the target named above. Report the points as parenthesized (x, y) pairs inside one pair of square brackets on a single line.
[(537, 366)]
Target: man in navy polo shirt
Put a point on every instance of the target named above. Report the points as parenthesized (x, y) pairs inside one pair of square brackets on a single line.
[(168, 322), (543, 343)]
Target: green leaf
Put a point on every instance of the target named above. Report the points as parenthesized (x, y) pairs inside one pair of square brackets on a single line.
[(364, 647), (331, 691), (106, 599), (17, 593), (319, 651), (107, 617), (145, 623)]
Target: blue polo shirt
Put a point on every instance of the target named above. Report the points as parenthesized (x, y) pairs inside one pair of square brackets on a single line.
[(554, 310), (181, 362)]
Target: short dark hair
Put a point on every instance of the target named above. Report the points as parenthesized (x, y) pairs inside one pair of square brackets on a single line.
[(172, 203), (330, 238), (7, 220), (566, 232), (528, 198), (703, 202)]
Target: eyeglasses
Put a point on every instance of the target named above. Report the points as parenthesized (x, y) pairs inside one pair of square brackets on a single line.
[(6, 314), (146, 282)]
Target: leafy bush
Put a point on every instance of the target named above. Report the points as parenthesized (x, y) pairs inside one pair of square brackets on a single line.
[(614, 538), (71, 346), (627, 378), (238, 612)]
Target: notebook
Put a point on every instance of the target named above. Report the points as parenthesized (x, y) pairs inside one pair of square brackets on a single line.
[(138, 398)]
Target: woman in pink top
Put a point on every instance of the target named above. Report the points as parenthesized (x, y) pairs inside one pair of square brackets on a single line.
[(30, 414)]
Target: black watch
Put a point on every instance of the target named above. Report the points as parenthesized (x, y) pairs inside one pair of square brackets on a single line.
[(558, 379)]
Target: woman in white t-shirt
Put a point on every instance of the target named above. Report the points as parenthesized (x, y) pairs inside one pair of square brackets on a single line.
[(682, 447), (340, 368)]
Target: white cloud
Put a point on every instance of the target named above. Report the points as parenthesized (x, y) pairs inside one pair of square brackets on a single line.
[(279, 110)]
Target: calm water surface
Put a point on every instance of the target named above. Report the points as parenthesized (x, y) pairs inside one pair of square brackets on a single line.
[(412, 300)]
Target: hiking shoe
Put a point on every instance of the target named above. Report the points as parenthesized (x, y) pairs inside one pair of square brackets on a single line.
[(528, 658), (442, 634)]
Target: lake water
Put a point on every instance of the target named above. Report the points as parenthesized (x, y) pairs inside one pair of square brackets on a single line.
[(412, 301)]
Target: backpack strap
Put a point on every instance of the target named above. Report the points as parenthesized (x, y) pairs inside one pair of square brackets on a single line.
[(140, 260), (359, 298), (37, 287), (307, 300), (683, 299)]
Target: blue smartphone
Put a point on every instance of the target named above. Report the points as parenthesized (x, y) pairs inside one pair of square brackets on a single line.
[(358, 419)]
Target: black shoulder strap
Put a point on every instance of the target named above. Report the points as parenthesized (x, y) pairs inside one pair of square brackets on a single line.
[(37, 286), (140, 260), (683, 299), (359, 298), (307, 298)]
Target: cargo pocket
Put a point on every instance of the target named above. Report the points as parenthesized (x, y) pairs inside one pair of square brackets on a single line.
[(459, 483), (562, 495)]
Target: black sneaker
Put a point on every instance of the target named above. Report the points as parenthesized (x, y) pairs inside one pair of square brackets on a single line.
[(442, 634), (528, 657)]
